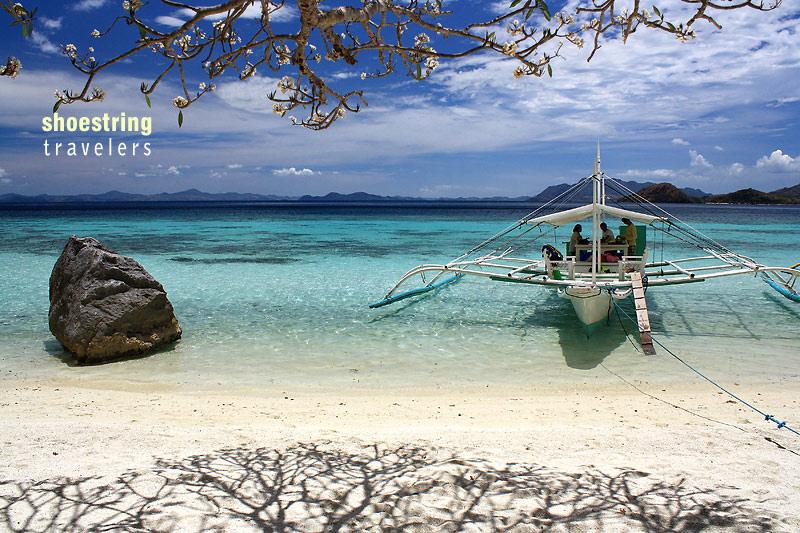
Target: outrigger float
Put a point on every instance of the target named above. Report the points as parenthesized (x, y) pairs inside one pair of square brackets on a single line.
[(597, 272)]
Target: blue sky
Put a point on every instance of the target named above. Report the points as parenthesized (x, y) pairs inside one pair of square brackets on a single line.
[(718, 113)]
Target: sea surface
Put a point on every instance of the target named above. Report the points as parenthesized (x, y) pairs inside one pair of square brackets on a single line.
[(278, 295)]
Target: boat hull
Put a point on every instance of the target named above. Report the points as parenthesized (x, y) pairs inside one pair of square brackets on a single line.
[(591, 304)]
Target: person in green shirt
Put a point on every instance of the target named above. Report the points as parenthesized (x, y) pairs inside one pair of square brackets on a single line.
[(630, 235)]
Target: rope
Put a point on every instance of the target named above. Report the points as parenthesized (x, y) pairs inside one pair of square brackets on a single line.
[(524, 220), (694, 236), (781, 424), (650, 206)]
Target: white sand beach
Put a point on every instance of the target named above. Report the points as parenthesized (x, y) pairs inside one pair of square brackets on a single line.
[(118, 456)]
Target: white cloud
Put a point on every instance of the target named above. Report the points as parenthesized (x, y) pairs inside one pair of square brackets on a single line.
[(736, 168), (292, 171), (235, 166), (779, 102), (168, 20), (173, 170), (43, 43), (345, 75), (50, 24), (283, 14), (3, 173), (719, 148), (778, 161), (659, 173), (697, 160), (680, 141), (86, 5)]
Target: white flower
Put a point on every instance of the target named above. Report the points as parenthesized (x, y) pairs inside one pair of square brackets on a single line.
[(278, 109), (510, 48), (71, 50), (96, 33), (285, 84), (248, 70), (180, 102), (363, 75), (431, 63), (340, 112), (421, 39), (126, 5), (202, 86), (519, 72)]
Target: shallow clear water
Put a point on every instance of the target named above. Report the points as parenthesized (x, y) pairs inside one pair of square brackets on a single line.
[(279, 295)]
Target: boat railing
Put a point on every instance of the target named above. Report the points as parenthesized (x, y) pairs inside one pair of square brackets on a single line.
[(632, 263), (568, 264)]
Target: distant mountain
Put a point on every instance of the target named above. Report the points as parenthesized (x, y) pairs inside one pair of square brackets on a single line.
[(190, 195), (194, 195), (789, 192), (749, 196), (664, 193), (585, 194), (655, 192), (352, 197)]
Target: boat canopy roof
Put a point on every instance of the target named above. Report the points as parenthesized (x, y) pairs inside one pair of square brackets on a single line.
[(560, 218)]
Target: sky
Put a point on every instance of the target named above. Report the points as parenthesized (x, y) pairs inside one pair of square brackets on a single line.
[(718, 113)]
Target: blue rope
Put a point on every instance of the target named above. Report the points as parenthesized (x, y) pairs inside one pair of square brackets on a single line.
[(781, 424)]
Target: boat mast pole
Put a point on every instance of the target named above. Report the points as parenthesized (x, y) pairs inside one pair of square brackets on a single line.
[(595, 195), (602, 180)]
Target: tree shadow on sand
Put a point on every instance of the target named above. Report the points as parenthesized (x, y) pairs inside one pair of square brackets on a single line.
[(315, 487)]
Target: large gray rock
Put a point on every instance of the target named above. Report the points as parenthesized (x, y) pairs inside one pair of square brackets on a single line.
[(104, 306)]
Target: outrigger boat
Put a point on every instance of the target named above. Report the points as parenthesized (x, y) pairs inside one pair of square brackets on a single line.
[(598, 272)]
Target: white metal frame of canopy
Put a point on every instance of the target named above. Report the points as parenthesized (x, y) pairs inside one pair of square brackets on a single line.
[(591, 285)]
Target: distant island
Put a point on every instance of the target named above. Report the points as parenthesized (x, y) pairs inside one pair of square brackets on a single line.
[(668, 193), (631, 190)]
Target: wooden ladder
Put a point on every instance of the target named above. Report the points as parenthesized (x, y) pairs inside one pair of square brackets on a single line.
[(645, 336)]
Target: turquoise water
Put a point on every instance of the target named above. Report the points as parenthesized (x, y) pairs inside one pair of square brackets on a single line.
[(278, 296)]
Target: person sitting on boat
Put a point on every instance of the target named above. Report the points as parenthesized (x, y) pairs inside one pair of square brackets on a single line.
[(630, 235), (575, 239), (607, 234)]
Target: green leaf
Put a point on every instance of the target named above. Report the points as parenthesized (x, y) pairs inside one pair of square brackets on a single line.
[(550, 70), (658, 13), (419, 70), (147, 99), (58, 104), (142, 31), (545, 10), (25, 31), (180, 119), (515, 2)]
